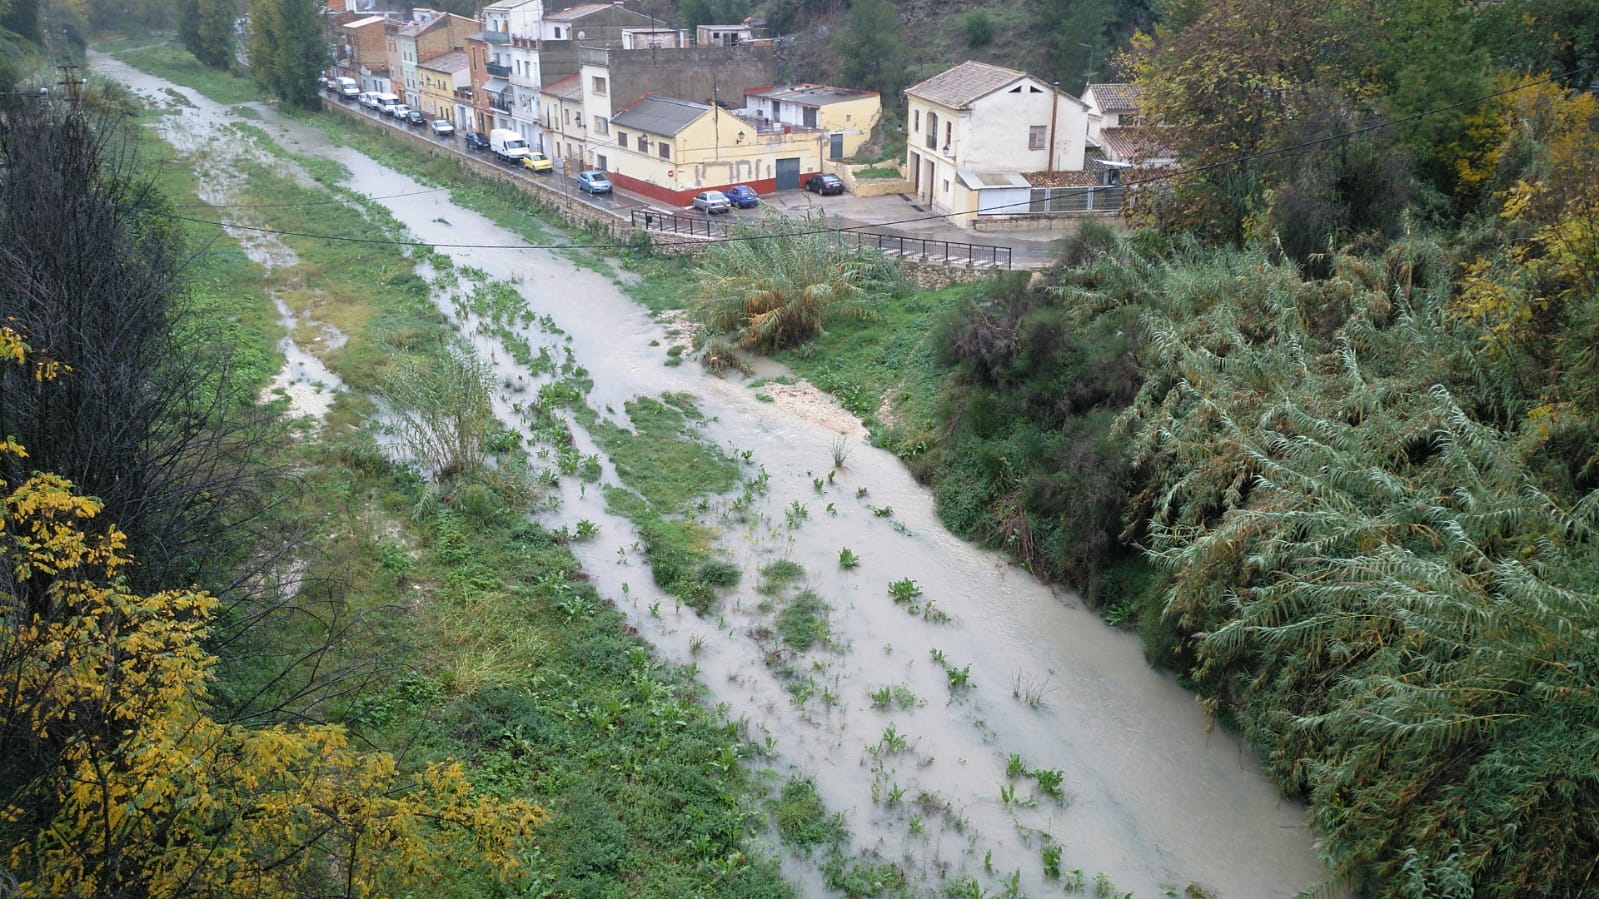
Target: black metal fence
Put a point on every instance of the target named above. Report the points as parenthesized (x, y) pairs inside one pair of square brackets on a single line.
[(919, 249)]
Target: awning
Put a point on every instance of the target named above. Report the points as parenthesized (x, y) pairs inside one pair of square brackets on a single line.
[(495, 85)]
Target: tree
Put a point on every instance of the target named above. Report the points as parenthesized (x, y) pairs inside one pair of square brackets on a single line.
[(871, 46), (161, 432), (206, 28), (287, 50), (116, 781)]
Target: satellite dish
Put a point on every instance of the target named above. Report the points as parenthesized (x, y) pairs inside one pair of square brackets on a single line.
[(582, 35)]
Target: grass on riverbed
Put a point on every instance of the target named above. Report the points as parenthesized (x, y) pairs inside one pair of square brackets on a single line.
[(162, 55), (479, 638)]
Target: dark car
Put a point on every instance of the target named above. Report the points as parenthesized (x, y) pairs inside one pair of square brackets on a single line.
[(477, 140), (415, 119), (824, 184), (743, 196)]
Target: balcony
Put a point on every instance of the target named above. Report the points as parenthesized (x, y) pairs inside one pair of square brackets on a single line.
[(496, 70), (500, 103), (496, 37)]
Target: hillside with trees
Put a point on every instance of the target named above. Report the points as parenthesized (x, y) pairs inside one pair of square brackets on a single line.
[(1322, 423)]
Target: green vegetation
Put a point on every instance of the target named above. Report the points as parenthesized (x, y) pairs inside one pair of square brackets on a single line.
[(786, 283), (670, 473), (466, 631), (171, 61)]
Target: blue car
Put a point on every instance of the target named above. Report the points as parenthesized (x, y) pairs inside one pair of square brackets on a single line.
[(593, 182), (743, 196)]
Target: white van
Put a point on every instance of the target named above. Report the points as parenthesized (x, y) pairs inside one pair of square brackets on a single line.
[(507, 144), (348, 89), (385, 102)]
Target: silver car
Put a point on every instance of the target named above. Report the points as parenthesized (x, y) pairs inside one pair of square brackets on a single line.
[(712, 201)]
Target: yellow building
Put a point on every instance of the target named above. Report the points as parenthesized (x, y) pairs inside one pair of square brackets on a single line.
[(672, 149), (437, 79), (564, 134), (847, 115)]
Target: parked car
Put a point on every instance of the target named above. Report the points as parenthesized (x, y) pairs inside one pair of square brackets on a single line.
[(712, 201), (593, 182), (443, 128), (414, 118), (398, 110), (477, 140), (743, 196), (824, 184), (538, 162), (366, 99)]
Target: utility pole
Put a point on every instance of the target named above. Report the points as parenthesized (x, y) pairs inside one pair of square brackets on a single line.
[(71, 81)]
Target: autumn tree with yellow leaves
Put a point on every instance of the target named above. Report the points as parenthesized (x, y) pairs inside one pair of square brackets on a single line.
[(116, 781)]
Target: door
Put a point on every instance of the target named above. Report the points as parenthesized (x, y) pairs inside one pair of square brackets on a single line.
[(835, 149), (788, 174)]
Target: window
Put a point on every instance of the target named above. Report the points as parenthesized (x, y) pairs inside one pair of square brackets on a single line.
[(599, 85), (1036, 137), (664, 149), (568, 111), (621, 139), (600, 162), (602, 125), (916, 117), (557, 32), (949, 131), (643, 144)]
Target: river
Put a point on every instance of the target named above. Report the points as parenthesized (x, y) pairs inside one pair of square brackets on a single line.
[(1152, 798)]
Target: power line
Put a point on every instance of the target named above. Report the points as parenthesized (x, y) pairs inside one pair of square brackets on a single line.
[(1157, 177)]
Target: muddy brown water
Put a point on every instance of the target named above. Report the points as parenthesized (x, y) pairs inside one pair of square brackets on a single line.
[(1151, 798)]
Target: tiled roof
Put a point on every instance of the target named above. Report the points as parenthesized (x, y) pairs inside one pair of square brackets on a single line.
[(507, 5), (568, 88), (1133, 144), (1062, 179), (1117, 97), (967, 82), (451, 61), (362, 23), (659, 115)]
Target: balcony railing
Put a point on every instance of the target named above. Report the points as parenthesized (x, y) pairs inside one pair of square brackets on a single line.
[(496, 70), (496, 37), (496, 102)]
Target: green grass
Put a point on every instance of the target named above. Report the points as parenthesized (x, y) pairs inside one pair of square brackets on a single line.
[(167, 59), (478, 637), (802, 621), (878, 173), (669, 472)]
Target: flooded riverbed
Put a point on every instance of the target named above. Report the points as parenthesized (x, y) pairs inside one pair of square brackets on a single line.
[(954, 774)]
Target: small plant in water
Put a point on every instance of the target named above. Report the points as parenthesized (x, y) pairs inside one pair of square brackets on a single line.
[(586, 530), (904, 591), (960, 679), (937, 656), (1052, 782), (847, 558), (841, 450), (882, 511), (818, 484), (796, 513), (860, 492), (1051, 856), (1015, 767)]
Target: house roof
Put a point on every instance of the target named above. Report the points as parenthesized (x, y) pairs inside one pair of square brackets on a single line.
[(1134, 144), (809, 94), (964, 84), (1070, 178), (451, 61), (508, 5), (659, 115), (568, 88), (362, 23), (574, 13), (1117, 96)]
